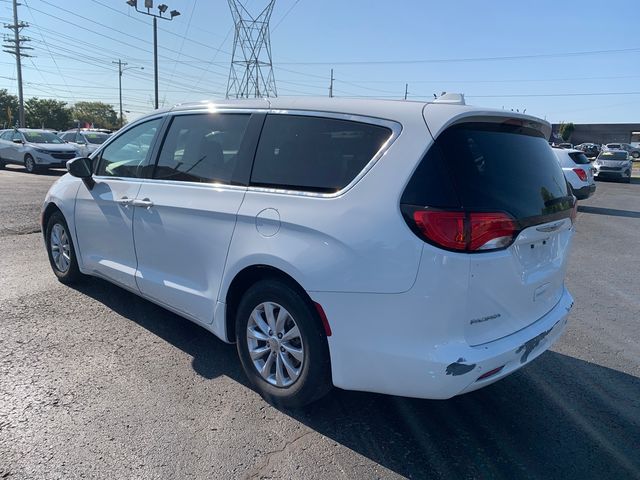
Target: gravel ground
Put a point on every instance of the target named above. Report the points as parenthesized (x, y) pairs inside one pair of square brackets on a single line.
[(98, 383)]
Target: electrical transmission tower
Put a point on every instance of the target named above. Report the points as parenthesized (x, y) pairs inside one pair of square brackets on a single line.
[(15, 45), (251, 73)]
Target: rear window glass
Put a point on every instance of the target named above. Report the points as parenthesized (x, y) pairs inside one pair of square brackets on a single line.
[(313, 153), (579, 158), (496, 167)]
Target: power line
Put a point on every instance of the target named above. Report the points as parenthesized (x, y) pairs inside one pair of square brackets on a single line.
[(285, 15), (470, 59)]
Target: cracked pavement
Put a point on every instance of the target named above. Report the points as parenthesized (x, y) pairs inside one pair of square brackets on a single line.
[(98, 383)]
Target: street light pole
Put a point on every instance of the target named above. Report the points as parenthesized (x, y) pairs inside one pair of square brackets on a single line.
[(155, 59), (162, 8), (121, 64)]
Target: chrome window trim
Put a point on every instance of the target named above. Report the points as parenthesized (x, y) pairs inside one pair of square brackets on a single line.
[(394, 126), (213, 185)]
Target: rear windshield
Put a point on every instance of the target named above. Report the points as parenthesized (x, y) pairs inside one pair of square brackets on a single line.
[(613, 156), (579, 158), (491, 167)]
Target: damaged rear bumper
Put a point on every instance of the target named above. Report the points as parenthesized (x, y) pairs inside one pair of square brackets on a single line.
[(508, 354)]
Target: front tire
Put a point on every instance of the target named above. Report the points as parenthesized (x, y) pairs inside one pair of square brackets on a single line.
[(30, 164), (282, 345), (60, 249)]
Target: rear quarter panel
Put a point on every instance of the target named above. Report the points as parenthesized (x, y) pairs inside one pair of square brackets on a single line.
[(355, 241)]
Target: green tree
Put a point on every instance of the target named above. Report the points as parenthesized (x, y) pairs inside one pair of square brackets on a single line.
[(8, 108), (101, 115), (566, 129), (47, 113)]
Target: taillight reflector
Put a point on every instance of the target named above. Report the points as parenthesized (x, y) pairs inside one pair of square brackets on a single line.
[(490, 373), (582, 175), (323, 318), (466, 231)]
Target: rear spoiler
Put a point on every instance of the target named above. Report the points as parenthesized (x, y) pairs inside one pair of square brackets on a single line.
[(439, 116)]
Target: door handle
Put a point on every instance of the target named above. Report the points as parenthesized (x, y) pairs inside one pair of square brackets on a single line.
[(125, 201), (145, 202)]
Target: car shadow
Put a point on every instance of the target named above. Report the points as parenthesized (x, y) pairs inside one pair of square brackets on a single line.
[(559, 417), (49, 172), (608, 211)]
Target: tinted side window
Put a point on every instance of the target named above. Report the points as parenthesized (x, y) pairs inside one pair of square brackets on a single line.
[(313, 153), (129, 152), (202, 148), (8, 135), (430, 185)]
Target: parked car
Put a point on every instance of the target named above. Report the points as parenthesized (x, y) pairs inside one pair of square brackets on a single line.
[(564, 145), (85, 141), (591, 150), (614, 164), (578, 171), (35, 149), (634, 152), (326, 243)]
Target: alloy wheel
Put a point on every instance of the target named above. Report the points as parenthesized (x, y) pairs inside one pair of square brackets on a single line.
[(275, 344), (60, 247), (29, 164)]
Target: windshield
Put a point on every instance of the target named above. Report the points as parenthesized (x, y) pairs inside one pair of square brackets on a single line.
[(612, 156), (613, 145), (96, 138), (41, 137)]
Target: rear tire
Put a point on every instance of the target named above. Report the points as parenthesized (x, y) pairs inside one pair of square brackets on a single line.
[(60, 249), (30, 164), (264, 344)]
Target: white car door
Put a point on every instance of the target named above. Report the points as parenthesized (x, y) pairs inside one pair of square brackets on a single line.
[(104, 214), (186, 214)]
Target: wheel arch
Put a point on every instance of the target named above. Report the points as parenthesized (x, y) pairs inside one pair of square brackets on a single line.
[(243, 280), (49, 210)]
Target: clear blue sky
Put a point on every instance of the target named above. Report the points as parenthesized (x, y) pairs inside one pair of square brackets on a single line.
[(433, 46)]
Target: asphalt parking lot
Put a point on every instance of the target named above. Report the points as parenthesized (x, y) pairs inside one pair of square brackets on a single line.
[(98, 383)]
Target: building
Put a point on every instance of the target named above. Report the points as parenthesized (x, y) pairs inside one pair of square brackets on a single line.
[(601, 133)]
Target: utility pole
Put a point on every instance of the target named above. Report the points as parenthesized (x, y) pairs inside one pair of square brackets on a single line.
[(331, 85), (406, 90), (14, 46), (162, 8), (122, 64)]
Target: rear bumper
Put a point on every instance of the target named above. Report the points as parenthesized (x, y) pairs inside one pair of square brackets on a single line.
[(584, 192), (373, 350)]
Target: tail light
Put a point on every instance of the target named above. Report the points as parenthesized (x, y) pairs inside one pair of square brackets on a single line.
[(465, 231), (582, 175)]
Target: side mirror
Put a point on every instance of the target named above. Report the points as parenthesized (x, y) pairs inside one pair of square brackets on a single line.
[(17, 140), (82, 168)]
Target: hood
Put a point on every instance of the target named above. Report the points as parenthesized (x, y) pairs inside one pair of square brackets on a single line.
[(53, 147), (612, 163)]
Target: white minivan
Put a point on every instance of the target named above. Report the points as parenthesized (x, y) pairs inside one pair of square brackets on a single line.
[(406, 248)]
